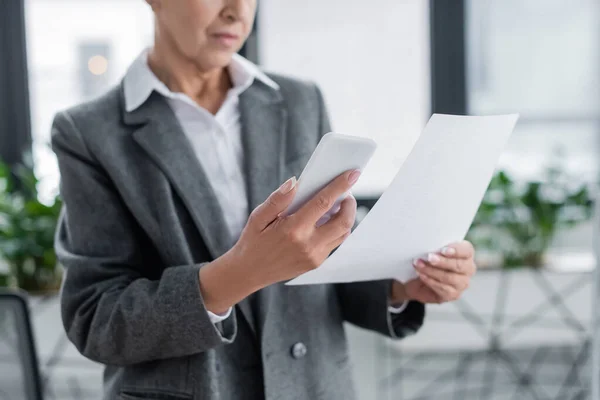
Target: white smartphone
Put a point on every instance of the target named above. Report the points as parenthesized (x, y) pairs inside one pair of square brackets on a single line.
[(335, 154)]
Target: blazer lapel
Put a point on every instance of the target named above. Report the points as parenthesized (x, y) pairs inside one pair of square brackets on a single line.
[(162, 137), (263, 136), (264, 120)]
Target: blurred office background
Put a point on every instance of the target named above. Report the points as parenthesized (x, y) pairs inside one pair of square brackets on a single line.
[(524, 329)]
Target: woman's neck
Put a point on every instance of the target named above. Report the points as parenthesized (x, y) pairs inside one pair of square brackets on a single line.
[(208, 88)]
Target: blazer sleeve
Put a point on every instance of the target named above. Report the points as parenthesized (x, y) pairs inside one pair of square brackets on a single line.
[(365, 304), (111, 309)]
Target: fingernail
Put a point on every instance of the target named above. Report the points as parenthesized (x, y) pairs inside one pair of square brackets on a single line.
[(417, 263), (448, 251), (288, 185), (433, 258), (354, 177)]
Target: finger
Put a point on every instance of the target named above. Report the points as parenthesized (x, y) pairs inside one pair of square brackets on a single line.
[(338, 242), (457, 265), (463, 250), (446, 292), (340, 223), (276, 203), (316, 207), (457, 281)]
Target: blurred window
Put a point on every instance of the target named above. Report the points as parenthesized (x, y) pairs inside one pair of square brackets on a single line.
[(76, 51), (540, 58)]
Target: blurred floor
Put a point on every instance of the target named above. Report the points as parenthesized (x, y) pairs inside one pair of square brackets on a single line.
[(517, 335)]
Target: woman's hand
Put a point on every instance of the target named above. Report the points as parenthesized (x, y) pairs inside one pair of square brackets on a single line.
[(273, 248), (443, 277)]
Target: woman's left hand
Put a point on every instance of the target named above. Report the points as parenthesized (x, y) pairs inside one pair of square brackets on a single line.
[(443, 276)]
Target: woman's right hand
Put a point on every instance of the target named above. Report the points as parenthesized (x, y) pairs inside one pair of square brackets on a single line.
[(274, 248)]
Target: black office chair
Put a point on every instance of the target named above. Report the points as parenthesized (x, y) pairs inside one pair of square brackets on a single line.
[(19, 370)]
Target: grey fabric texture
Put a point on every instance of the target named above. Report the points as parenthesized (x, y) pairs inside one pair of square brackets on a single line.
[(139, 221)]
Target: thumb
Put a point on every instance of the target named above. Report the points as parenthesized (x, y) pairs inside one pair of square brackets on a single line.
[(274, 205)]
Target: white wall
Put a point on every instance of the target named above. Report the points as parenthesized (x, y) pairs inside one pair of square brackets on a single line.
[(371, 59)]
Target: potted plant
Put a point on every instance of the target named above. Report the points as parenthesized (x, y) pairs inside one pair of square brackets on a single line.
[(519, 219), (27, 229)]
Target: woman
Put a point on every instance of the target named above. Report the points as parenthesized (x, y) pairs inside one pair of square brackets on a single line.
[(170, 281)]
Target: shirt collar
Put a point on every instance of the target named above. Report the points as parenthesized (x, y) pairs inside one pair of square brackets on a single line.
[(140, 81)]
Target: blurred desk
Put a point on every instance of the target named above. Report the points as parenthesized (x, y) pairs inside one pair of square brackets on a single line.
[(515, 334)]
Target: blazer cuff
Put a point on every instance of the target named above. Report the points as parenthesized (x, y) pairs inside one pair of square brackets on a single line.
[(408, 322)]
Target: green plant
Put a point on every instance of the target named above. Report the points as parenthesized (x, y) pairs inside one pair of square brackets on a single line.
[(520, 219), (27, 229)]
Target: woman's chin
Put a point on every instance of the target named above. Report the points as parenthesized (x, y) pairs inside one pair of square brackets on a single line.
[(215, 58)]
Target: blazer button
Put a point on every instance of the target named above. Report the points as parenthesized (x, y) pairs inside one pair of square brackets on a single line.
[(298, 350)]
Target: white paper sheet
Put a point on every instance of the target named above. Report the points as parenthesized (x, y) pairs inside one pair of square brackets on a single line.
[(430, 203)]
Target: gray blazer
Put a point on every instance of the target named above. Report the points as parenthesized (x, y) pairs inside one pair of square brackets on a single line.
[(140, 219)]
